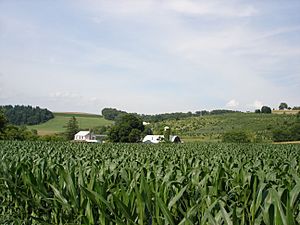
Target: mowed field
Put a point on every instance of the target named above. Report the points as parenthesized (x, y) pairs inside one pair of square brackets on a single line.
[(57, 124)]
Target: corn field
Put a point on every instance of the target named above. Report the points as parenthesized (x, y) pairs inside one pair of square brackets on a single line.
[(72, 183)]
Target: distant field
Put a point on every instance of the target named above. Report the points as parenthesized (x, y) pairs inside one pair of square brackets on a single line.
[(56, 125), (210, 128), (292, 112)]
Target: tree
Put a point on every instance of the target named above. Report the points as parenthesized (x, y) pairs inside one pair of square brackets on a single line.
[(26, 115), (257, 111), (111, 113), (283, 106), (128, 128), (3, 121), (71, 128), (266, 109)]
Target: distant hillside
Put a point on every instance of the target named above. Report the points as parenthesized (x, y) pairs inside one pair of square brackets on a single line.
[(213, 126), (56, 125), (291, 111)]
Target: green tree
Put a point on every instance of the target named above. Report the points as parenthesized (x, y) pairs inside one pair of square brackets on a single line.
[(3, 123), (257, 111), (283, 106), (134, 136), (266, 109), (72, 128), (26, 115), (128, 128), (111, 113)]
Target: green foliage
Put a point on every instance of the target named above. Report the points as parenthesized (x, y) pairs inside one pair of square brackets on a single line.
[(128, 128), (26, 115), (72, 128), (257, 111), (223, 111), (283, 106), (11, 132), (111, 113), (51, 138), (212, 128), (78, 183), (147, 131), (266, 109), (3, 121), (19, 133), (288, 132), (282, 135), (236, 137), (134, 135)]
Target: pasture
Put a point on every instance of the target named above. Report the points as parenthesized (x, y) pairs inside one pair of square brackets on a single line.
[(56, 125)]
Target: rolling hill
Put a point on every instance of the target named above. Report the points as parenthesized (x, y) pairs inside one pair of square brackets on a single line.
[(56, 125), (211, 128)]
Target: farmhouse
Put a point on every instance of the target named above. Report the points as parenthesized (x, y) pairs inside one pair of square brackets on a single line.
[(87, 136), (159, 138)]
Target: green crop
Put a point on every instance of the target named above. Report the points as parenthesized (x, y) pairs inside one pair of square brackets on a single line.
[(77, 183)]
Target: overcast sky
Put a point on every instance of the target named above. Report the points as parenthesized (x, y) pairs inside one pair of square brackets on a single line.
[(149, 56)]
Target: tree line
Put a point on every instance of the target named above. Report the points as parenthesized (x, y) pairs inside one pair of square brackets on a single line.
[(113, 114), (11, 132), (26, 115)]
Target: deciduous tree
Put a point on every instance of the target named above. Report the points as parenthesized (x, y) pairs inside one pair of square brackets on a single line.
[(72, 128)]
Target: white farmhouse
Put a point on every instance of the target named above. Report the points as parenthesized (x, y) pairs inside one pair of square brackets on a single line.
[(82, 136), (86, 136)]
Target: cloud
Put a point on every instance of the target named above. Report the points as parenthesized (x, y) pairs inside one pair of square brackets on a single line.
[(137, 55), (64, 94), (256, 104), (212, 8), (233, 103)]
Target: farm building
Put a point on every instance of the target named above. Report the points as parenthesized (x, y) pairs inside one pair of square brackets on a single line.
[(159, 138), (87, 136)]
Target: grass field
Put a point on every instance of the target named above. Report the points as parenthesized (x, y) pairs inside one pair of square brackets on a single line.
[(56, 125)]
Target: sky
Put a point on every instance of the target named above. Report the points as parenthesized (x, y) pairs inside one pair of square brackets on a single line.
[(149, 56)]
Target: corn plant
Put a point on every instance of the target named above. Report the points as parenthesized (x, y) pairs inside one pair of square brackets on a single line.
[(77, 183)]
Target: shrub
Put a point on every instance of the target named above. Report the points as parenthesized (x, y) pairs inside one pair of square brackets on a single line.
[(236, 137)]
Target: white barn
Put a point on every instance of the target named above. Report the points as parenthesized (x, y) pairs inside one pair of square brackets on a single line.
[(155, 139)]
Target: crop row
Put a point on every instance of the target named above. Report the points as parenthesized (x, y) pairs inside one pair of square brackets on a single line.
[(71, 183)]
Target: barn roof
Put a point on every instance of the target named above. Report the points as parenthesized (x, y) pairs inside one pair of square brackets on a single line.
[(83, 133)]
